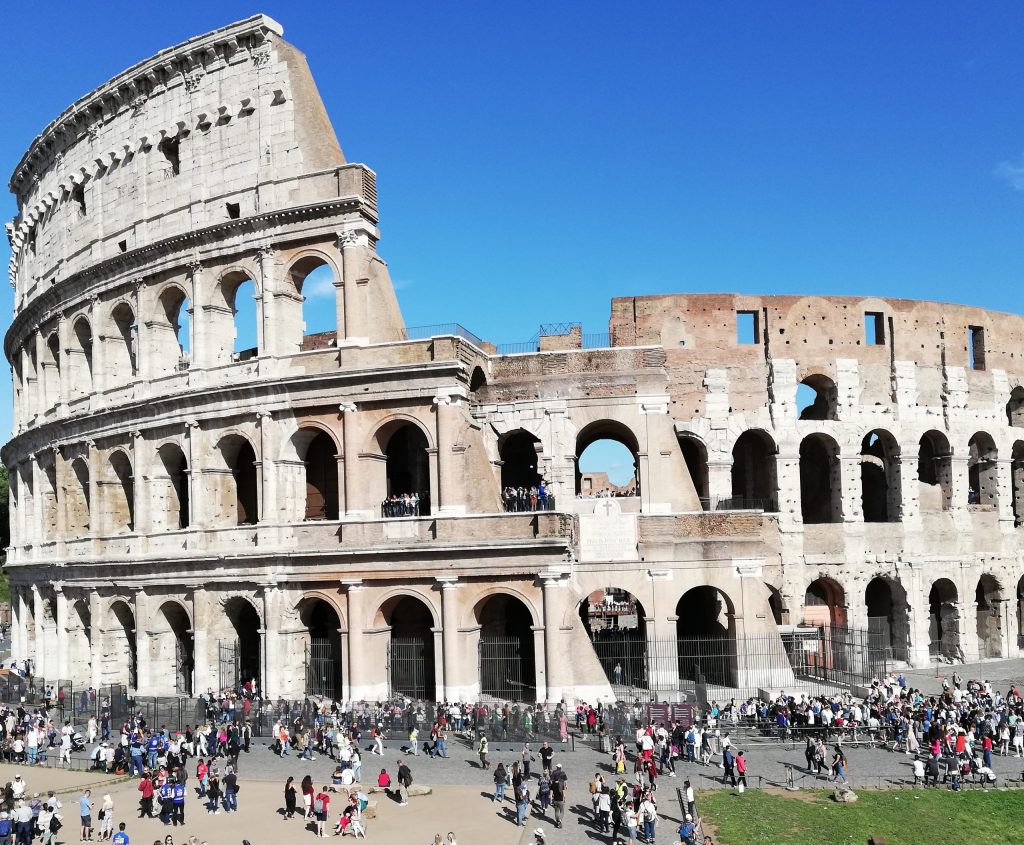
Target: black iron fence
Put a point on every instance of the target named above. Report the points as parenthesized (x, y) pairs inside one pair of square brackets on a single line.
[(707, 667)]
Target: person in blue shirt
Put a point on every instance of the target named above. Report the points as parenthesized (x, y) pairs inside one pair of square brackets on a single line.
[(687, 831), (178, 799), (120, 838), (152, 749), (166, 802)]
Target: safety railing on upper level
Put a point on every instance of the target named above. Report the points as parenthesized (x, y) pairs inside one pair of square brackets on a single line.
[(438, 329)]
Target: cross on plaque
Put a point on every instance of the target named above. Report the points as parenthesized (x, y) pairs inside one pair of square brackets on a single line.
[(606, 506)]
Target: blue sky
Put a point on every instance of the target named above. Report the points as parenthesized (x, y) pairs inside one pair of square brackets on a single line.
[(532, 163)]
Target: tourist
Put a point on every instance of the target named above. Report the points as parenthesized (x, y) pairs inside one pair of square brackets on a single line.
[(106, 817), (121, 837), (741, 769), (522, 802), (307, 796), (213, 794), (687, 831), (85, 811), (404, 782), (230, 791), (321, 807), (482, 750), (500, 782), (289, 798)]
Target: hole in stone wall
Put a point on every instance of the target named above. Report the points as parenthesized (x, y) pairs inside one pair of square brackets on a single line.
[(171, 148), (234, 210), (976, 347)]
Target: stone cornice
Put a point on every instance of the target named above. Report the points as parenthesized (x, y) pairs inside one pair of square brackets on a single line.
[(254, 30)]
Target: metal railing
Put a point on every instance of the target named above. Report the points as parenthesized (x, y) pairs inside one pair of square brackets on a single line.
[(521, 504), (440, 329), (738, 503)]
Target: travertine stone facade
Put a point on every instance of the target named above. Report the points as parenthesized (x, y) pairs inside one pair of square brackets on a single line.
[(183, 518)]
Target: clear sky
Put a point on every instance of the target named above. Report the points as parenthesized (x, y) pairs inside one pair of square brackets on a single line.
[(534, 162)]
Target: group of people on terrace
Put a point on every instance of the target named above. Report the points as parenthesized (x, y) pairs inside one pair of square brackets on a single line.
[(402, 504), (522, 499)]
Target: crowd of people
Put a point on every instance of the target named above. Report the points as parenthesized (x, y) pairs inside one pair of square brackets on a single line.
[(521, 499), (402, 504)]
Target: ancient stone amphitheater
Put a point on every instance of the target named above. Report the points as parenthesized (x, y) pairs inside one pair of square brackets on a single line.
[(824, 487)]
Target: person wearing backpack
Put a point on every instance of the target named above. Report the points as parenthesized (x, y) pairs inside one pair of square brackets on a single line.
[(321, 807), (404, 782)]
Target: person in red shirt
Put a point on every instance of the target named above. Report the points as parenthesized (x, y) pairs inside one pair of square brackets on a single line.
[(986, 748), (741, 769), (203, 776), (146, 802), (321, 806)]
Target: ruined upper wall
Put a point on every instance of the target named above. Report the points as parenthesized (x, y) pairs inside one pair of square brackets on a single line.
[(217, 128)]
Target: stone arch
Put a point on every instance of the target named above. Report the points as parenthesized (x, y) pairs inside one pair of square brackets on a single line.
[(606, 430), (411, 618), (477, 380), (988, 601), (172, 645), (934, 472), (120, 494), (169, 333), (49, 499), (944, 621), (983, 471), (825, 603), (121, 356), (520, 452), (244, 625), (507, 659), (51, 370), (170, 510), (695, 456), (888, 617), (880, 482), (404, 444), (78, 496), (818, 398), (324, 622), (1017, 481), (236, 494), (472, 616), (615, 622), (233, 325), (706, 634), (120, 653), (316, 447), (1015, 407), (821, 495), (386, 605), (754, 478), (300, 327), (80, 356)]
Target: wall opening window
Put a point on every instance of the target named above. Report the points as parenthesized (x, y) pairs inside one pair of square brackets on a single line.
[(234, 210), (78, 198), (874, 328), (607, 461), (976, 347), (817, 398), (171, 148), (748, 330)]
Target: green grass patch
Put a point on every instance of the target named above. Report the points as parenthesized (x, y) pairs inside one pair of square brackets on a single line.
[(902, 817)]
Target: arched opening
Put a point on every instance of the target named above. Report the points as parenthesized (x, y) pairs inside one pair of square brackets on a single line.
[(240, 657), (616, 623), (776, 605), (880, 477), (237, 499), (324, 657), (983, 471), (121, 498), (245, 319), (171, 510), (478, 380), (174, 649), (51, 371), (121, 655), (1015, 408), (407, 463), (310, 321), (80, 642), (81, 357), (507, 665), (1017, 481), (988, 601), (888, 618), (754, 482), (1020, 613), (825, 604), (706, 633), (944, 621), (411, 647), (606, 460), (520, 468), (934, 472), (121, 348), (49, 502), (817, 398), (821, 498), (321, 467), (78, 511), (170, 333), (695, 456)]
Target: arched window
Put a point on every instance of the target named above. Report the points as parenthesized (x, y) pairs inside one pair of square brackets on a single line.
[(121, 496), (825, 604), (888, 618), (934, 472), (321, 464), (78, 505), (237, 497), (81, 357), (695, 456), (706, 631), (506, 653), (606, 460), (170, 333), (881, 497), (121, 355), (310, 320), (233, 322), (407, 465), (119, 652), (944, 621), (1015, 408), (175, 644), (411, 647), (616, 623), (821, 498), (988, 603), (754, 482), (51, 371), (1017, 481), (324, 663), (817, 398), (174, 515), (520, 459), (983, 471), (245, 628)]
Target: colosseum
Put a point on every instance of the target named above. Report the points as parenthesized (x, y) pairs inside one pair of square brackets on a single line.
[(822, 486)]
